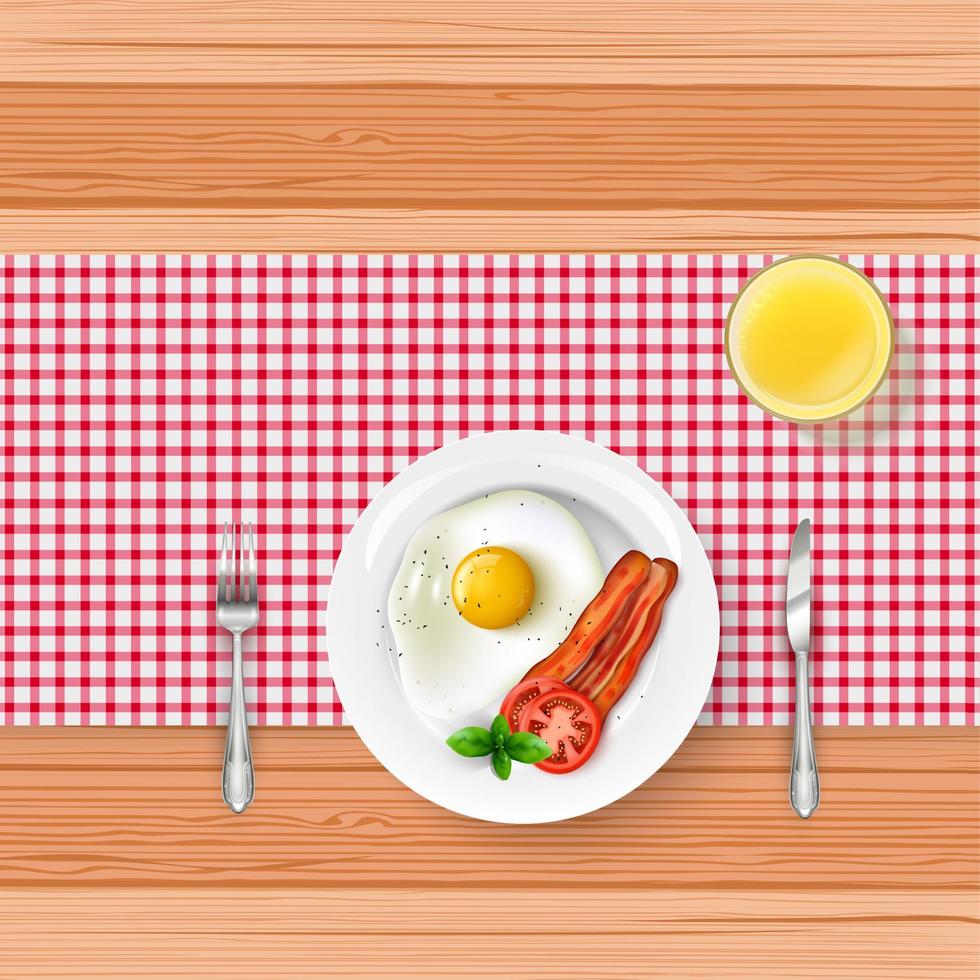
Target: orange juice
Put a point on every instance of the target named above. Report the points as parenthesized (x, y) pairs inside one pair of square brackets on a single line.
[(809, 338)]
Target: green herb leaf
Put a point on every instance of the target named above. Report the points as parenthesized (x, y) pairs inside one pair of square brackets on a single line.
[(525, 747), (471, 742), (499, 729), (501, 763)]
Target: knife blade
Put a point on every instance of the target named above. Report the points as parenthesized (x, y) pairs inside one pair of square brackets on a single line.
[(798, 590), (804, 782)]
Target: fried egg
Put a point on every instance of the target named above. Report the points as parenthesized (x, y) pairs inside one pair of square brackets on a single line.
[(486, 590)]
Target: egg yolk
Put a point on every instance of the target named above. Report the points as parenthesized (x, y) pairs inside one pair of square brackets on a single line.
[(493, 587)]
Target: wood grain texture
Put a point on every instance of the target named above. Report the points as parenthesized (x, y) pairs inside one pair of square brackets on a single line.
[(542, 147), (246, 124), (117, 858), (451, 933), (142, 806), (212, 230), (904, 43)]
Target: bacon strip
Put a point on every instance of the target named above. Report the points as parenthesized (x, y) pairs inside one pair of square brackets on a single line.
[(626, 632), (625, 670), (598, 618)]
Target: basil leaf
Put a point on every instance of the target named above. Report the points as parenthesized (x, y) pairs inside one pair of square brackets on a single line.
[(499, 729), (525, 747), (471, 742), (501, 763)]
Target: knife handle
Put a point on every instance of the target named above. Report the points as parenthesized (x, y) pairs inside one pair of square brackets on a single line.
[(804, 783)]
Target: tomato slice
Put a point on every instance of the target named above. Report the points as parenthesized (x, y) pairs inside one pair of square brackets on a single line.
[(524, 693), (569, 722)]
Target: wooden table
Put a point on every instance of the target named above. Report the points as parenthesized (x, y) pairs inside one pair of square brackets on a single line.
[(451, 126), (118, 859)]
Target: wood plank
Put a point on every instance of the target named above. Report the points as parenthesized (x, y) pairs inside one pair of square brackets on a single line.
[(380, 230), (761, 126), (475, 148), (903, 43), (316, 932), (142, 807)]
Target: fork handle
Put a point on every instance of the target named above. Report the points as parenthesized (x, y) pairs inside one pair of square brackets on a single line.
[(237, 779)]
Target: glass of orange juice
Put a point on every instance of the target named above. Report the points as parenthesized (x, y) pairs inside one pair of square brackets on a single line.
[(809, 338)]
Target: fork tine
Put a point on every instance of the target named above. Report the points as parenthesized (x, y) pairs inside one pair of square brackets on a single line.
[(234, 565), (238, 563), (242, 566), (223, 565), (253, 585)]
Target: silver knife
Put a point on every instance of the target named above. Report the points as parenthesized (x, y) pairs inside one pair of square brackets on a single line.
[(804, 784)]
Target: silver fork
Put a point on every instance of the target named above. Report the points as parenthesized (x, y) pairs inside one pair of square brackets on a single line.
[(237, 612)]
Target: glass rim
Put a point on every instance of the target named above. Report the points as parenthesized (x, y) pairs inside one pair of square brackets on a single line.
[(823, 418)]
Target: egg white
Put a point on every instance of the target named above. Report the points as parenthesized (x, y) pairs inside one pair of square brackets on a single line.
[(449, 667)]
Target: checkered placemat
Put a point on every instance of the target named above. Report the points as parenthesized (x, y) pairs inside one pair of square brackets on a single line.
[(148, 399)]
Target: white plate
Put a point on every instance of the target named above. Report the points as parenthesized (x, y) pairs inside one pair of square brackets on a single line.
[(621, 508)]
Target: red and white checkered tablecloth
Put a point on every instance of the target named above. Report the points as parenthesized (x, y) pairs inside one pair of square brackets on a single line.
[(148, 399)]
